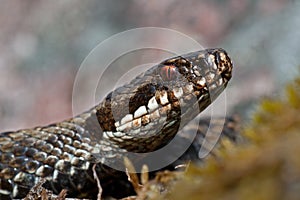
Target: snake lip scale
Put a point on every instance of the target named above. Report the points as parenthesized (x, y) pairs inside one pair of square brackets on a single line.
[(141, 116)]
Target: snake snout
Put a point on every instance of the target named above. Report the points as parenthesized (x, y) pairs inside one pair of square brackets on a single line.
[(224, 64)]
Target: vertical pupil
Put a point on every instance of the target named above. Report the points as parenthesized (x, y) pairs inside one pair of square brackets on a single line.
[(169, 73)]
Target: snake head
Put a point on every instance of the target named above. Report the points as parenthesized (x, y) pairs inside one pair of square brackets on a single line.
[(204, 74), (146, 114)]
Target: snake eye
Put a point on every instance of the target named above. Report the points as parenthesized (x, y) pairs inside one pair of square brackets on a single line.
[(168, 72)]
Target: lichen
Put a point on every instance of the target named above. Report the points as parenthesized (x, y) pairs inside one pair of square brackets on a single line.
[(266, 166)]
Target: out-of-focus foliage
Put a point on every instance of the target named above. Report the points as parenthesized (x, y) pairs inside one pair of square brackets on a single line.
[(266, 166)]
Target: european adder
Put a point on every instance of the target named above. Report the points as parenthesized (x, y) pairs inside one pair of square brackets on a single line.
[(141, 116)]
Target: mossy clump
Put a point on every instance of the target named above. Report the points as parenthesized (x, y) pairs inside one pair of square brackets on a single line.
[(266, 166)]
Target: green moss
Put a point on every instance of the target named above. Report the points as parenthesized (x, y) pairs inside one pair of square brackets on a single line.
[(266, 167)]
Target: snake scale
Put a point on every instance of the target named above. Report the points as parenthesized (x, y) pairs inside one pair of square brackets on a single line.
[(141, 116)]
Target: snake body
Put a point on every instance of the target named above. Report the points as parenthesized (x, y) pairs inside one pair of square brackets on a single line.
[(141, 116)]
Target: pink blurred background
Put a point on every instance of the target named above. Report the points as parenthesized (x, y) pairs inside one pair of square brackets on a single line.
[(43, 43)]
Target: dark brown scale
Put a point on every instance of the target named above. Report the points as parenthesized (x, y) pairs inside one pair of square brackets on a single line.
[(7, 147), (17, 162), (46, 170), (25, 179), (64, 167), (78, 162), (28, 142), (51, 160), (17, 136), (56, 152), (69, 133), (59, 144), (47, 148), (31, 152), (6, 157), (66, 156), (67, 140), (69, 149), (6, 184), (31, 166), (76, 144), (105, 116), (22, 190), (8, 173), (39, 144), (40, 156), (52, 138), (78, 136), (19, 150)]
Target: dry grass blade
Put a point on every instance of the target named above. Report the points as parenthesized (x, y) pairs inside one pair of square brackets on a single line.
[(131, 174), (62, 195), (145, 174), (98, 182)]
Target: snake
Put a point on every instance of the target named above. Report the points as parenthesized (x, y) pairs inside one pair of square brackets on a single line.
[(141, 116)]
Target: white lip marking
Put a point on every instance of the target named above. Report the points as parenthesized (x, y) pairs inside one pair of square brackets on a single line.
[(164, 98), (124, 127), (126, 137), (119, 134), (140, 111), (137, 123), (136, 132), (178, 93), (154, 115), (127, 118), (152, 105), (107, 134)]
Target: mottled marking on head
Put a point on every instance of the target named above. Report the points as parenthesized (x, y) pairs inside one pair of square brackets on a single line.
[(153, 105)]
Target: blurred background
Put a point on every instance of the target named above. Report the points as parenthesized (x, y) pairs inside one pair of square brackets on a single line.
[(42, 45)]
